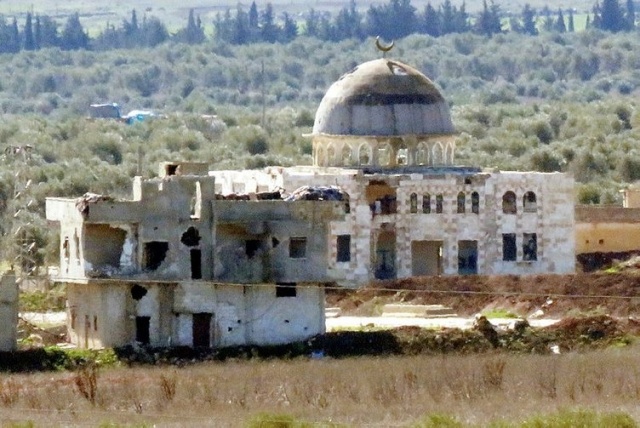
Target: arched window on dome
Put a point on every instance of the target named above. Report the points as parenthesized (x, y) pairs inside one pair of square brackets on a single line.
[(529, 202), (509, 203), (422, 154), (426, 203), (347, 159), (384, 155), (475, 203), (364, 154), (413, 203), (402, 155), (448, 154), (331, 155), (321, 159), (437, 154), (461, 203)]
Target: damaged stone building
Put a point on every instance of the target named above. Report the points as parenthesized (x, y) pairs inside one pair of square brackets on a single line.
[(383, 133), (193, 260), (176, 265)]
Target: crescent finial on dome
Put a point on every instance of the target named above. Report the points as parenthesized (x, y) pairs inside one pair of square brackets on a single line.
[(382, 48)]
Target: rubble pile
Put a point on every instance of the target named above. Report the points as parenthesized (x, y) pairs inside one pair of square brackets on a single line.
[(83, 202), (318, 193)]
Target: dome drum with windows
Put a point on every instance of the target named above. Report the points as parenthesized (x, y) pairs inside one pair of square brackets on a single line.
[(383, 113)]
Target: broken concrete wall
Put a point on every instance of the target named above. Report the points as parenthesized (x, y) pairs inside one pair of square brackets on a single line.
[(274, 317), (96, 315), (107, 313), (248, 181), (273, 241), (164, 233)]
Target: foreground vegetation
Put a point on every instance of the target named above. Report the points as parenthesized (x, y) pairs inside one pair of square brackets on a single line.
[(486, 390)]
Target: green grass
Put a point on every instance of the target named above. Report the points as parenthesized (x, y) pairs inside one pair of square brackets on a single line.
[(43, 301), (499, 313)]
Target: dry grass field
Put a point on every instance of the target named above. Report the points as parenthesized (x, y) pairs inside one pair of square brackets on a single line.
[(479, 390)]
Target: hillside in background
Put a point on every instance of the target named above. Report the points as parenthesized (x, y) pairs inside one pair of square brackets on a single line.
[(553, 102)]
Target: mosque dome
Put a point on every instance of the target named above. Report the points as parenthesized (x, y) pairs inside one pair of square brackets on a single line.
[(383, 98)]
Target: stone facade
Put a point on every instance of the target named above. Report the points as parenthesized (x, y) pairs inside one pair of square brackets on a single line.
[(433, 221)]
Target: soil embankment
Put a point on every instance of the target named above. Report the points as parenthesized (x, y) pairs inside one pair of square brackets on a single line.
[(556, 296)]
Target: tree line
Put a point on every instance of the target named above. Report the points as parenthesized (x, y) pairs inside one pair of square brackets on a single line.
[(255, 26)]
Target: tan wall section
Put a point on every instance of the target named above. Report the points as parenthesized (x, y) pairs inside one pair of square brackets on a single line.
[(607, 237)]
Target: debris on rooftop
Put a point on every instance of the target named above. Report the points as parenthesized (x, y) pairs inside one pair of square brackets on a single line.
[(82, 203), (318, 193)]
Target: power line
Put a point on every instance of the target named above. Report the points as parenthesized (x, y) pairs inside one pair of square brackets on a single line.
[(332, 287)]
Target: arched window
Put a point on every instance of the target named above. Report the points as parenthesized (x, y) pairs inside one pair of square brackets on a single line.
[(346, 155), (426, 203), (448, 154), (529, 202), (320, 156), (475, 203), (364, 154), (461, 201), (402, 156), (331, 155), (437, 154), (509, 203), (439, 203), (384, 155), (422, 155), (413, 203)]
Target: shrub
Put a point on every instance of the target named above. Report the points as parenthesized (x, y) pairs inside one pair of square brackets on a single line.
[(438, 420), (589, 194), (581, 418), (271, 420)]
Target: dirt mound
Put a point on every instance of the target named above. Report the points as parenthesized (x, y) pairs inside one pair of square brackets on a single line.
[(32, 336), (615, 294)]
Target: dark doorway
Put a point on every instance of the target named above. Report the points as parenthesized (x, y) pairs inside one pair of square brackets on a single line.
[(142, 330), (202, 330), (196, 264), (385, 262), (467, 257)]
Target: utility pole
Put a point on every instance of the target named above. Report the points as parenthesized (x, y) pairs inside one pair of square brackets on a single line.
[(22, 245), (264, 100)]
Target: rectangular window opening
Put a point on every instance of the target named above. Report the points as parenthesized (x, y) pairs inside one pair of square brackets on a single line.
[(196, 264), (297, 248), (286, 289), (251, 247), (154, 254), (509, 247), (529, 247), (196, 202), (344, 248)]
